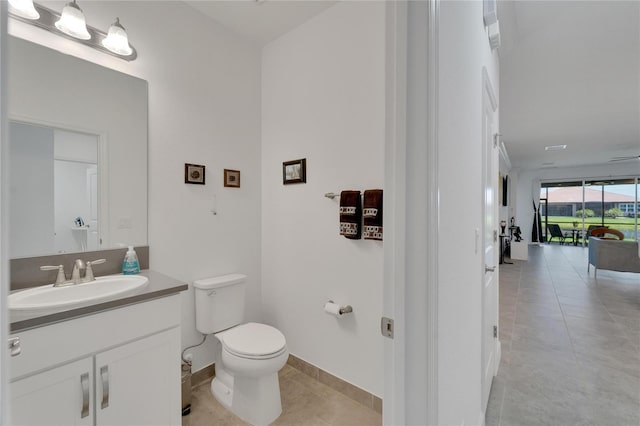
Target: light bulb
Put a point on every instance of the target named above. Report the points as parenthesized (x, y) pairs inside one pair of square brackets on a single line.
[(117, 40), (72, 22), (24, 9)]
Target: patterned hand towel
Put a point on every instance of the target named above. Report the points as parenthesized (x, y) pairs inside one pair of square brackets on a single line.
[(350, 214), (372, 213)]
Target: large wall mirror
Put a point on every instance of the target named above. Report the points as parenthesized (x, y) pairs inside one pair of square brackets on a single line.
[(77, 154)]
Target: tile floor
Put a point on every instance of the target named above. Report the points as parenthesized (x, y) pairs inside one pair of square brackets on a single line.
[(570, 354), (570, 344), (305, 401)]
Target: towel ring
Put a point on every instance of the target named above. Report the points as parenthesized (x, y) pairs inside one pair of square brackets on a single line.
[(333, 195)]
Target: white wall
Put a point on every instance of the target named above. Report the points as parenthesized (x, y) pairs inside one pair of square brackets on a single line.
[(323, 100), (75, 146), (204, 108), (464, 51), (31, 191), (528, 185)]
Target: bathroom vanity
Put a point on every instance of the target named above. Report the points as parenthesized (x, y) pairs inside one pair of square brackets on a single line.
[(116, 361), (113, 363)]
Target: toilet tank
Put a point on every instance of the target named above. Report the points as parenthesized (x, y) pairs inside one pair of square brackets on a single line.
[(219, 302)]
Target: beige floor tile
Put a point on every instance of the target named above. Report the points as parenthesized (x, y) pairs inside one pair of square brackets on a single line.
[(572, 359), (305, 402)]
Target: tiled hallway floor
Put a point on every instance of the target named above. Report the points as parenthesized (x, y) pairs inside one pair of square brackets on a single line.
[(570, 344), (305, 401)]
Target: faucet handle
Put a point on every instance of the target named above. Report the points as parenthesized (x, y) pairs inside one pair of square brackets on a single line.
[(61, 278), (88, 276)]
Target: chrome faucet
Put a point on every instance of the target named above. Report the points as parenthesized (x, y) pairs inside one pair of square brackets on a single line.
[(77, 276), (79, 265)]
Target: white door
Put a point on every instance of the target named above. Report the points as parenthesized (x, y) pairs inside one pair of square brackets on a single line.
[(61, 396), (490, 241), (139, 383)]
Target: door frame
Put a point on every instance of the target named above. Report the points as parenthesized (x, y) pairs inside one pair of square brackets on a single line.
[(490, 163), (4, 219), (410, 289)]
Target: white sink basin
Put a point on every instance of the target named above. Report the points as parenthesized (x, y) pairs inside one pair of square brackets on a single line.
[(49, 299)]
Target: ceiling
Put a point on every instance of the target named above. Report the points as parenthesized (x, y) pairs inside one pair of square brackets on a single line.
[(261, 21), (569, 74)]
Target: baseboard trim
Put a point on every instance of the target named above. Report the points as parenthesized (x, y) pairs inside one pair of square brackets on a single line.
[(357, 394), (482, 419), (202, 375), (498, 357)]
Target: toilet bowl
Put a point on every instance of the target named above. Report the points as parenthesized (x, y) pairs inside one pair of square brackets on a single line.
[(247, 356)]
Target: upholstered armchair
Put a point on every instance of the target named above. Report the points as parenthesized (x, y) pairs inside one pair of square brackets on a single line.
[(614, 255)]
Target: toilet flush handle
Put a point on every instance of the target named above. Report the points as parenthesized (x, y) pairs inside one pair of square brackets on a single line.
[(211, 293)]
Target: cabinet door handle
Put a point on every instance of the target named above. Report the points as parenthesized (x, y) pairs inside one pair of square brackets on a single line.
[(84, 383), (104, 376), (14, 346)]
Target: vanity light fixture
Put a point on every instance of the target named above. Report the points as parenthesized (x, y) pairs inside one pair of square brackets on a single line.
[(71, 24), (24, 8), (117, 40)]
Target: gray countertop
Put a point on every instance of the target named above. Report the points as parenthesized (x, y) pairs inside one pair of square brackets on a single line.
[(159, 286)]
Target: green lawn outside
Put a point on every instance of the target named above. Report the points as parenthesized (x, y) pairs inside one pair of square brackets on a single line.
[(625, 225)]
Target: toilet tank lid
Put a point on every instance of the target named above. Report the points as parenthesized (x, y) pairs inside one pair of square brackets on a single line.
[(221, 281)]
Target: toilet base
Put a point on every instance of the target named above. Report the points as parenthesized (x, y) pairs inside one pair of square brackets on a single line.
[(254, 400)]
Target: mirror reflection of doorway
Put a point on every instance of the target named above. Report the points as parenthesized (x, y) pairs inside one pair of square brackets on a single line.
[(54, 190)]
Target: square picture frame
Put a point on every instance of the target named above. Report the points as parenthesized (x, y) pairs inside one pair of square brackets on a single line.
[(294, 171), (231, 178), (194, 174)]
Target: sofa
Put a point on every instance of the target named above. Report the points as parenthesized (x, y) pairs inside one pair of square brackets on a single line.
[(613, 255)]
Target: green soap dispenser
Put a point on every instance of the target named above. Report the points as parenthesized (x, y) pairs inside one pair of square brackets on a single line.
[(130, 266)]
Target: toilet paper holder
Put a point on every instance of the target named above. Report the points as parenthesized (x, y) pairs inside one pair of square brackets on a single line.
[(344, 309)]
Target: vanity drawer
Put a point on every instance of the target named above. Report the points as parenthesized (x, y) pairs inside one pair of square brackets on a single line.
[(48, 346)]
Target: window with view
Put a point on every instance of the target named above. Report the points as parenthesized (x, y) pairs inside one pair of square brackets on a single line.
[(579, 206)]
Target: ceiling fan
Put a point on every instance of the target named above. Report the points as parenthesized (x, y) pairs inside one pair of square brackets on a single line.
[(629, 157)]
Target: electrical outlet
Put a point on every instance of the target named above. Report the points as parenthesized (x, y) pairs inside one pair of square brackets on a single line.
[(124, 223)]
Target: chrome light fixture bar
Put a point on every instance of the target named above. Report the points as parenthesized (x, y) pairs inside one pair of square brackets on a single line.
[(48, 19)]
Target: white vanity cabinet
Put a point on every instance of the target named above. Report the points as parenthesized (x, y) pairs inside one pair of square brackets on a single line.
[(117, 367), (132, 384), (59, 396)]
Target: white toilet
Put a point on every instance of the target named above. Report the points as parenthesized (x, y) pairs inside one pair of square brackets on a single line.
[(248, 356)]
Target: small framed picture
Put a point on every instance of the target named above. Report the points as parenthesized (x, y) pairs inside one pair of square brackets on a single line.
[(232, 178), (194, 173), (294, 171)]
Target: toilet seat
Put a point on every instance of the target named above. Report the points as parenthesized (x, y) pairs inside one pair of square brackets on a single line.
[(253, 341)]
